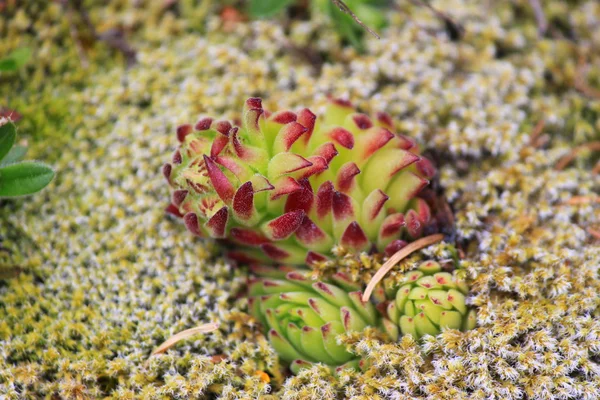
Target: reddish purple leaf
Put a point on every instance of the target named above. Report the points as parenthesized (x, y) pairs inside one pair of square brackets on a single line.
[(233, 164), (166, 170), (354, 238), (319, 164), (253, 102), (362, 121), (243, 202), (290, 133), (217, 224), (342, 206), (309, 233), (177, 157), (285, 186), (247, 237), (413, 225), (385, 120), (405, 143), (274, 252), (327, 151), (374, 204), (283, 117), (307, 119), (394, 247), (203, 124), (312, 258), (284, 226), (423, 211), (179, 196), (342, 136), (218, 144), (392, 225), (222, 186), (324, 199), (192, 224), (341, 102), (373, 141), (425, 168), (346, 178), (183, 131), (173, 210), (301, 199), (223, 127)]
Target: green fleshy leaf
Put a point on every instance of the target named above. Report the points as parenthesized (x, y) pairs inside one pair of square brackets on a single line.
[(346, 27), (8, 134), (451, 319), (425, 326), (312, 343), (15, 60), (298, 365), (267, 8), (338, 352), (24, 178), (15, 154)]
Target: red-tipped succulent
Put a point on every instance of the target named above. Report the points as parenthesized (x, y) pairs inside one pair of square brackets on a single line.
[(290, 186)]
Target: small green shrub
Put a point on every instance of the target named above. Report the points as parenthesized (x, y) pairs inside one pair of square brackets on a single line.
[(19, 178)]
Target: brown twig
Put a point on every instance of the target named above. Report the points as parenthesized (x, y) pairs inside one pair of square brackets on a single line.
[(594, 232), (596, 169), (580, 81), (456, 29), (536, 132), (9, 272), (83, 59), (396, 258), (540, 16), (344, 8), (112, 37), (206, 328), (567, 159), (581, 200)]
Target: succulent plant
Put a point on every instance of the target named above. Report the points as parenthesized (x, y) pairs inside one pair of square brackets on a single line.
[(429, 301), (290, 186), (302, 318)]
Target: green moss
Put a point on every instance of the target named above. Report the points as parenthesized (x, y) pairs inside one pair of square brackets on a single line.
[(107, 277)]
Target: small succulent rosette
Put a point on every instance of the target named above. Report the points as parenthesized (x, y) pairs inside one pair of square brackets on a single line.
[(287, 187), (303, 318), (429, 301)]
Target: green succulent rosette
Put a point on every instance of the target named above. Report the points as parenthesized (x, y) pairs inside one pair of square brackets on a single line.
[(287, 186), (430, 301), (303, 318)]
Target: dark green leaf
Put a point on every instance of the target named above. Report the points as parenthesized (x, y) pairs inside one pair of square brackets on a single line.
[(346, 27), (24, 178), (8, 134), (15, 154), (15, 60), (267, 8)]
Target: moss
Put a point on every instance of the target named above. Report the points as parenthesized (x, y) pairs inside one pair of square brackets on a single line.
[(107, 277)]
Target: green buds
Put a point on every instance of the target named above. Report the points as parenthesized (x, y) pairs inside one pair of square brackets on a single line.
[(429, 301)]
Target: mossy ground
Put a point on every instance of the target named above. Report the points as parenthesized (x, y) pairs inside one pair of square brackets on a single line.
[(107, 276)]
